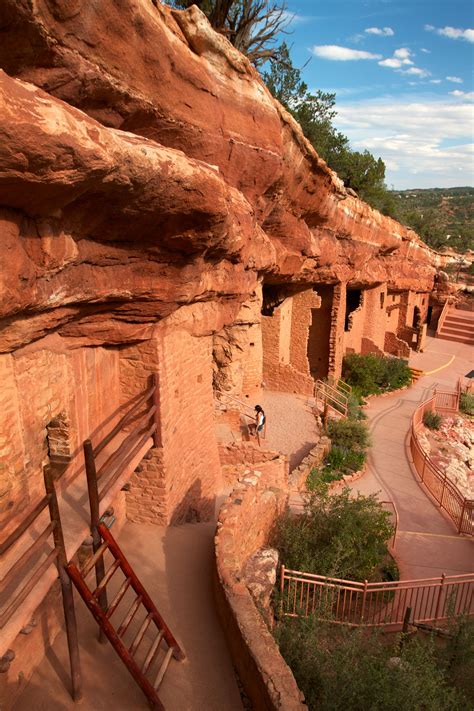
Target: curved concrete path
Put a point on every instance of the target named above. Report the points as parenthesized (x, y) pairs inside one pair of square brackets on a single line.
[(427, 544)]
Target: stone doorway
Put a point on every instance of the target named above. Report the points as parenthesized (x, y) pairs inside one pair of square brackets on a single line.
[(319, 334)]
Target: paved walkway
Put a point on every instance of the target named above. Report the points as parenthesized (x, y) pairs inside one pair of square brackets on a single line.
[(427, 543)]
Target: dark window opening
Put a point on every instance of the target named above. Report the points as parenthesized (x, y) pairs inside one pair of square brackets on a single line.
[(429, 314), (353, 301), (382, 299), (416, 317)]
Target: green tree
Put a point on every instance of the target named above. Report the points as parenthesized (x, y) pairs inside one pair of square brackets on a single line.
[(315, 112), (252, 26)]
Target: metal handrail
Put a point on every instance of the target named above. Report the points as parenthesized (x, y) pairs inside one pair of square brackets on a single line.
[(380, 604), (457, 506), (443, 315)]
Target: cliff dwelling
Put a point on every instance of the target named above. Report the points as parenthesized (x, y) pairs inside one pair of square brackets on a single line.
[(174, 253)]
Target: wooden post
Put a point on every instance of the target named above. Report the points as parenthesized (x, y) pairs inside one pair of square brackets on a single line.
[(66, 586), (93, 492)]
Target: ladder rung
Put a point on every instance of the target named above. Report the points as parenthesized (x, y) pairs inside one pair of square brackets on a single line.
[(129, 616), (136, 642), (117, 599), (106, 578), (163, 668), (152, 652), (92, 561)]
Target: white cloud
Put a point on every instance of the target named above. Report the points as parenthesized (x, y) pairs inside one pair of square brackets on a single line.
[(402, 59), (426, 51), (381, 31), (467, 95), (455, 80), (416, 71), (341, 54), (396, 130), (391, 63), (452, 32), (435, 81), (403, 53)]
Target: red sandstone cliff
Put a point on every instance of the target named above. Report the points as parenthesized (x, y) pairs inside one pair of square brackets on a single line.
[(107, 231)]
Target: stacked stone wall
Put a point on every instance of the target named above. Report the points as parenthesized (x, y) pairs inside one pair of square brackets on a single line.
[(336, 337), (38, 386), (368, 323), (190, 452), (287, 330), (319, 334), (244, 526)]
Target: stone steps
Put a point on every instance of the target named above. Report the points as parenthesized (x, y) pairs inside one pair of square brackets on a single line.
[(458, 326)]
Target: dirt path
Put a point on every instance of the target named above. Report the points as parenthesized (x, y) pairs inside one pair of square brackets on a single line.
[(291, 425), (175, 564)]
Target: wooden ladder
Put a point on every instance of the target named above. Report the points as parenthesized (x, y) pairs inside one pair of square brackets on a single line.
[(147, 665)]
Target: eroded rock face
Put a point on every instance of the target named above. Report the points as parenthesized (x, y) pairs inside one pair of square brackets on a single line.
[(152, 172)]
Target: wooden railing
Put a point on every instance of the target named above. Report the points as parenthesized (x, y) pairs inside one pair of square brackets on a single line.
[(375, 604), (141, 418), (444, 491), (34, 562)]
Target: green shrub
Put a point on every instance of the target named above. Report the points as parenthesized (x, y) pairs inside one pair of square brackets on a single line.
[(349, 442), (354, 405), (466, 403), (345, 460), (342, 668), (373, 374), (348, 434), (432, 420), (336, 535)]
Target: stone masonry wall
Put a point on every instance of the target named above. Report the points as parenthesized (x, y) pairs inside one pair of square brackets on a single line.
[(303, 303), (181, 478), (147, 499), (319, 334), (277, 374), (244, 525), (39, 385), (336, 337), (190, 453)]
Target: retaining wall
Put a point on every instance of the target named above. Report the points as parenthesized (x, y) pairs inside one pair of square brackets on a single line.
[(244, 526)]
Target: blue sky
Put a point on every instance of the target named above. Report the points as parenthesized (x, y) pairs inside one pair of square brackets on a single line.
[(402, 71)]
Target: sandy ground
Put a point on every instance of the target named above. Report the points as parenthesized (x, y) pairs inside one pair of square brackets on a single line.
[(175, 565)]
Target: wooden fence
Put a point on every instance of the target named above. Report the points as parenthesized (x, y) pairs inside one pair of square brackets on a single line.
[(374, 604), (443, 490)]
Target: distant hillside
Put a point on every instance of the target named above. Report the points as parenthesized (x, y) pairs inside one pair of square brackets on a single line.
[(443, 217)]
